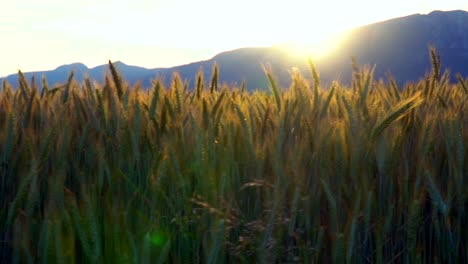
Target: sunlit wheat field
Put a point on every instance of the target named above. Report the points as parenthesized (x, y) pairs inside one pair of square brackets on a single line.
[(204, 172)]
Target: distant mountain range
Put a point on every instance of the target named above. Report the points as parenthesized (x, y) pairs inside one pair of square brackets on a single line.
[(398, 46)]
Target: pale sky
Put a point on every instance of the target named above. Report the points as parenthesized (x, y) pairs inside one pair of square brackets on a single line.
[(44, 34)]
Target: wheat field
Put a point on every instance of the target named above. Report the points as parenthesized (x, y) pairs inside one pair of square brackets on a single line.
[(210, 173)]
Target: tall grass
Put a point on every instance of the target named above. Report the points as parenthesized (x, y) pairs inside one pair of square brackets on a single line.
[(107, 173)]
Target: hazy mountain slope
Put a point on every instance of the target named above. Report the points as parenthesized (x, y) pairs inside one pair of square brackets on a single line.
[(400, 46), (60, 74), (234, 67), (241, 65)]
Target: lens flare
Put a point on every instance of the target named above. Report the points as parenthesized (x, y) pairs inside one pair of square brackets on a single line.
[(157, 238)]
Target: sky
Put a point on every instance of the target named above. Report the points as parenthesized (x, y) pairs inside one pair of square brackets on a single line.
[(44, 34)]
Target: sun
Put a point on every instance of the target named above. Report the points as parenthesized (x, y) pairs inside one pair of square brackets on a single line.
[(307, 28), (316, 48)]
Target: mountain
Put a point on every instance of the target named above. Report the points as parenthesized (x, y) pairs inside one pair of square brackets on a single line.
[(60, 74), (235, 66), (398, 46), (242, 65)]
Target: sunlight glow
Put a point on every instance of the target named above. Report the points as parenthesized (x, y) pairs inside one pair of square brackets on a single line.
[(318, 49)]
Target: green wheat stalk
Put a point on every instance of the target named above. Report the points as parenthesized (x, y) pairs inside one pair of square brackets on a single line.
[(397, 113)]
